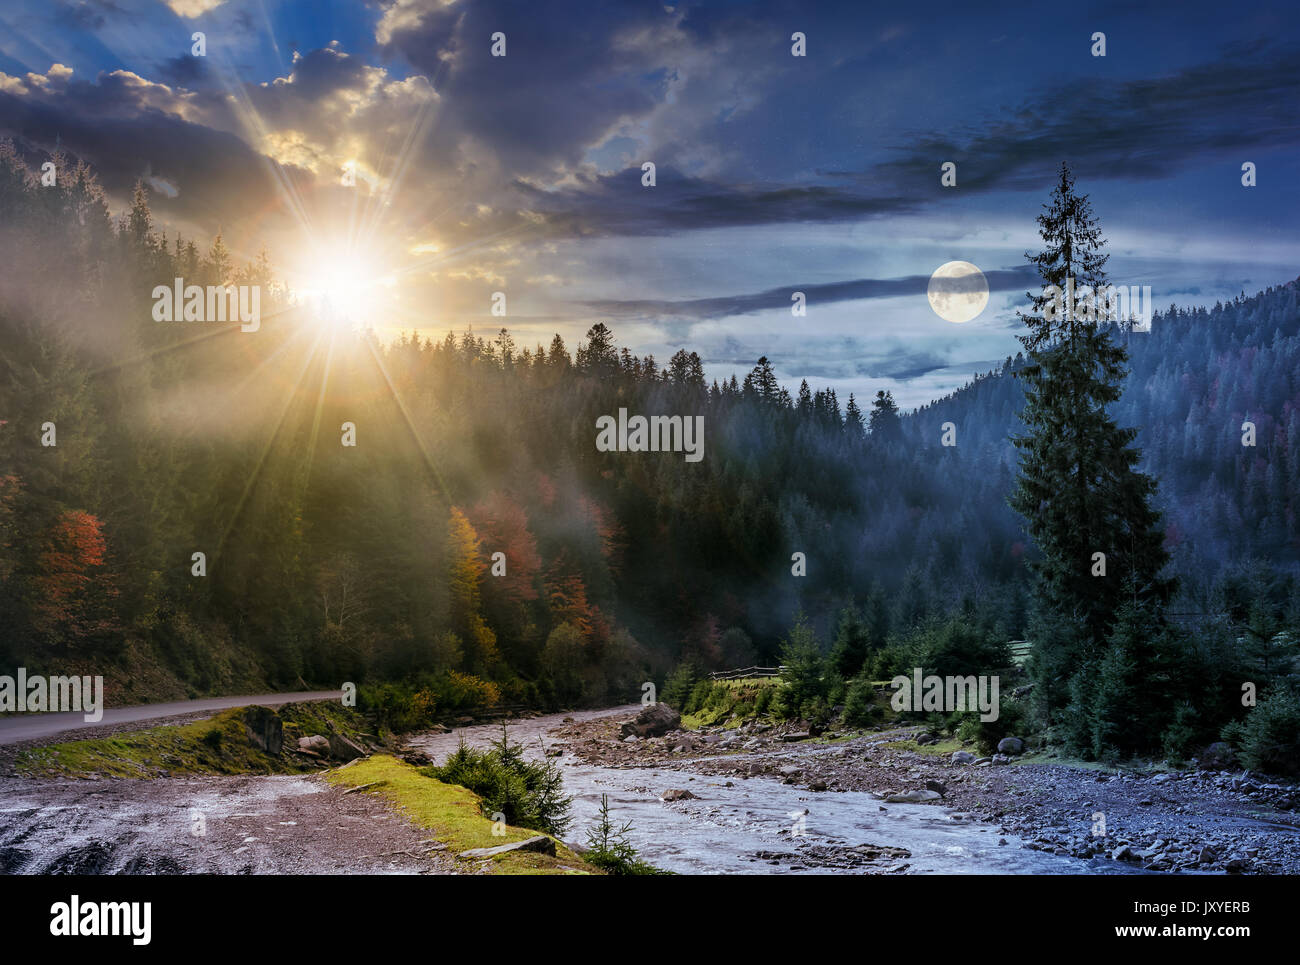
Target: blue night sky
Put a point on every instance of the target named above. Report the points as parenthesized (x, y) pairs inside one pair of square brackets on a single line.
[(775, 173)]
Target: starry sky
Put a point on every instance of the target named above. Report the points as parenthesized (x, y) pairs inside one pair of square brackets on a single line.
[(774, 173)]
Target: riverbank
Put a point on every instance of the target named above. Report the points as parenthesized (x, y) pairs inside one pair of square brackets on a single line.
[(1192, 821)]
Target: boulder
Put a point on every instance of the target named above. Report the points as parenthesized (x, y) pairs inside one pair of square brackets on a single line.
[(817, 784), (264, 729), (677, 794), (540, 843), (654, 720), (1011, 745), (937, 787), (796, 735), (345, 748), (315, 744), (963, 757)]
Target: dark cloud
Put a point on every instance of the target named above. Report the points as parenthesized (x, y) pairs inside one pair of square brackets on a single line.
[(1002, 279), (185, 71), (220, 178)]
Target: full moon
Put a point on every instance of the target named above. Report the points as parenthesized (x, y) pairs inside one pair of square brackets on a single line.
[(958, 291)]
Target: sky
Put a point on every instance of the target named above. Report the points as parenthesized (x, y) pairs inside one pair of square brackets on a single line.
[(774, 173)]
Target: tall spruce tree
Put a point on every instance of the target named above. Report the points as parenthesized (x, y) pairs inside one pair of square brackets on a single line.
[(1079, 489)]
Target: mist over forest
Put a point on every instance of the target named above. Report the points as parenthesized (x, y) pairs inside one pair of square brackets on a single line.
[(324, 562)]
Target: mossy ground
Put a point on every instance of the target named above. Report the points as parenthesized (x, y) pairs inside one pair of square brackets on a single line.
[(731, 703), (218, 745), (453, 814)]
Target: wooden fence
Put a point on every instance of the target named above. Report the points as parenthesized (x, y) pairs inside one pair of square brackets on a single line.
[(746, 673)]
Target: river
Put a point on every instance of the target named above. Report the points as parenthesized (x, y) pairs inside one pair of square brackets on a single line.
[(758, 825)]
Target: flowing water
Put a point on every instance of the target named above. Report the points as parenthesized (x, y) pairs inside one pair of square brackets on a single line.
[(759, 825)]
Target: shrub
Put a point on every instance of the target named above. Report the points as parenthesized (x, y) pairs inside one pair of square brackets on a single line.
[(608, 846), (860, 707), (680, 683), (530, 794), (700, 695), (393, 706), (1270, 735), (986, 733)]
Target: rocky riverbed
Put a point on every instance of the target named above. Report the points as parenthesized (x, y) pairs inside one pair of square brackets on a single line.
[(1193, 821)]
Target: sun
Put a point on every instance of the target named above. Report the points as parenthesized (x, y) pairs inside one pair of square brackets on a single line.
[(342, 284)]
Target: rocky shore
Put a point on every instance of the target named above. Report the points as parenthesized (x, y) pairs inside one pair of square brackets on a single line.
[(1162, 820)]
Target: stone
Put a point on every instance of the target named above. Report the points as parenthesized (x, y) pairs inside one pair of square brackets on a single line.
[(315, 744), (264, 729), (345, 748), (677, 794), (1011, 745), (654, 720), (540, 844), (963, 757)]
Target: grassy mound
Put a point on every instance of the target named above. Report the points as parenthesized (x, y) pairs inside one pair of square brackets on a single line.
[(454, 816)]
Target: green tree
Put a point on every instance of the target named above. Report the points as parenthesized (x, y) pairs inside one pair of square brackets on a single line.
[(852, 642), (884, 423), (1079, 489)]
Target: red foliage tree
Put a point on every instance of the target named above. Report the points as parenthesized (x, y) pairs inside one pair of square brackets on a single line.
[(67, 597)]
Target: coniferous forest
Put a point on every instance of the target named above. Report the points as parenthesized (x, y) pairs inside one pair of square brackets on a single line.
[(323, 562)]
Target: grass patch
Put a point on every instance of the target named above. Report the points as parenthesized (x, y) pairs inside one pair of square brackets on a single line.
[(943, 748), (454, 815)]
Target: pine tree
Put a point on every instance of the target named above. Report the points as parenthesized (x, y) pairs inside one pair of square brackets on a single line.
[(884, 423), (853, 421), (852, 643), (1079, 490)]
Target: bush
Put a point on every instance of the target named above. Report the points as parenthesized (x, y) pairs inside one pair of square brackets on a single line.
[(393, 706), (700, 695), (608, 847), (528, 793), (986, 733), (681, 682), (860, 707), (885, 664), (1270, 735)]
